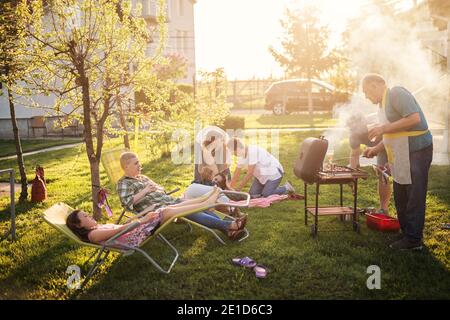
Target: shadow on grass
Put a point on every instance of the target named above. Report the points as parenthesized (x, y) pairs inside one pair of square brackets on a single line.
[(438, 183), (134, 274), (40, 270), (20, 209)]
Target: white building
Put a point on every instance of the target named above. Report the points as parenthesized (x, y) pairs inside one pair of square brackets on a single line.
[(180, 40), (180, 26)]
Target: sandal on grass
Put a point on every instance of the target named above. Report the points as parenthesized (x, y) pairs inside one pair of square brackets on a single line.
[(260, 271), (245, 262)]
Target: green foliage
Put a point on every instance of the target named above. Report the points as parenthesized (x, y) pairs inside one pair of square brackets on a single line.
[(306, 52), (12, 45), (89, 56), (211, 100), (342, 77), (233, 122), (103, 43), (186, 88), (164, 107), (172, 67)]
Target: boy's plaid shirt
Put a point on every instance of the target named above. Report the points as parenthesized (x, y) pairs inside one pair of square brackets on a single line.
[(128, 187)]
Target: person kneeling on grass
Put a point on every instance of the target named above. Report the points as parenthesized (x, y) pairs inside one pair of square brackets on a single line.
[(88, 230), (262, 166), (138, 193)]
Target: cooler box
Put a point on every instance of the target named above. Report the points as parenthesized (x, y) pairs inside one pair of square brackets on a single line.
[(381, 222)]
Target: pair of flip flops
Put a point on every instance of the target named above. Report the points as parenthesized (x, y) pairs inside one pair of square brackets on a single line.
[(260, 270)]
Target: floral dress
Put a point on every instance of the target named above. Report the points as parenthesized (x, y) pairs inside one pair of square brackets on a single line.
[(136, 236)]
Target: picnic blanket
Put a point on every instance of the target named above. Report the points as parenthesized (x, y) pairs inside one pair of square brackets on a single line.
[(266, 202)]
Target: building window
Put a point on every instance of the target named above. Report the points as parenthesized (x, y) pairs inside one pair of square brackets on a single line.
[(181, 7)]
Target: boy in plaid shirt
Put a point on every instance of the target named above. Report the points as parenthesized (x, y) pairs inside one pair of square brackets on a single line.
[(139, 194)]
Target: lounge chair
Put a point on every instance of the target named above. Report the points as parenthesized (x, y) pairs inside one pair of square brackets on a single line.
[(57, 214), (111, 163)]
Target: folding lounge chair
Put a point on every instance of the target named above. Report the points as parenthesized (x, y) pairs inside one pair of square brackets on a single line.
[(57, 215), (111, 163)]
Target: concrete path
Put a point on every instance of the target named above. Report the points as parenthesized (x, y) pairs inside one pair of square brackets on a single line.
[(4, 188), (66, 146)]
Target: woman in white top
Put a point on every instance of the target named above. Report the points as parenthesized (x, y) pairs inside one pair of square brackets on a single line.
[(262, 166), (211, 152)]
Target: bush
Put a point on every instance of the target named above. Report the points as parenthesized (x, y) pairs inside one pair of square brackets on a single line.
[(233, 122), (186, 88)]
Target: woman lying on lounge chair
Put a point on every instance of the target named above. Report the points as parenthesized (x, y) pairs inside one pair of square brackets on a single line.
[(87, 229)]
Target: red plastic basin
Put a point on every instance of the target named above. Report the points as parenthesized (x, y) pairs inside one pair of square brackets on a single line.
[(382, 222)]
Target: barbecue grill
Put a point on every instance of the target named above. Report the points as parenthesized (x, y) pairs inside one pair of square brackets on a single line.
[(310, 167)]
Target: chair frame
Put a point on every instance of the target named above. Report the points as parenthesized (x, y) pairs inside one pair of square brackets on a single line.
[(190, 222), (61, 211)]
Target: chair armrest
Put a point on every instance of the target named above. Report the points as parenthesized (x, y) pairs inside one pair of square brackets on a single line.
[(127, 229), (142, 213), (173, 191), (247, 196)]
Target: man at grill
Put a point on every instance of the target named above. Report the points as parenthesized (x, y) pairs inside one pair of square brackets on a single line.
[(409, 147), (359, 135)]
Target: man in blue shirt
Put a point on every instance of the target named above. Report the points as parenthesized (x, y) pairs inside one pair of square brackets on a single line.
[(409, 146)]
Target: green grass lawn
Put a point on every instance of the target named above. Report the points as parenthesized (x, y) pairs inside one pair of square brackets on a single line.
[(256, 104), (332, 266), (300, 120), (8, 148)]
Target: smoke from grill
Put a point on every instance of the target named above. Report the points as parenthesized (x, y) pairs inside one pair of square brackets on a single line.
[(395, 51)]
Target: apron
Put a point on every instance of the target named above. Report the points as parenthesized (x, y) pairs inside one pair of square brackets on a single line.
[(397, 148)]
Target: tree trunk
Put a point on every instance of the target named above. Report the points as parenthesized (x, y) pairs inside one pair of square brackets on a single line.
[(310, 104), (94, 164), (23, 175), (123, 123)]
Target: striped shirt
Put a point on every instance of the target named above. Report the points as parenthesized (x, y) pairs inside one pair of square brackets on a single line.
[(128, 187)]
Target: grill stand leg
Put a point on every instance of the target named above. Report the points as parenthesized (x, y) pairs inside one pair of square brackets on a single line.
[(355, 209), (316, 216), (341, 217), (306, 204)]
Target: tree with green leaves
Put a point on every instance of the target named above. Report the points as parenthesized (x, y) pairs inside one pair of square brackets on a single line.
[(12, 70), (212, 107), (90, 52), (305, 46)]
